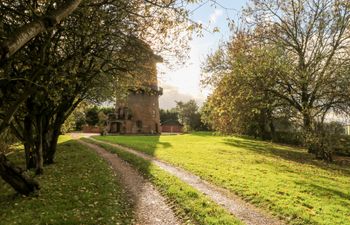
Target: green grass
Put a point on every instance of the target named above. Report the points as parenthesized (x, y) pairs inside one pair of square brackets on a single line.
[(193, 206), (284, 180), (79, 188)]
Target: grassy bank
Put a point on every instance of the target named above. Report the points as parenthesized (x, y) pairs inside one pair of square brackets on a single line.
[(284, 180), (79, 188), (191, 205)]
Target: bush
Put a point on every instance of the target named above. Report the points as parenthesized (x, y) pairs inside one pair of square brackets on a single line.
[(321, 144), (324, 140)]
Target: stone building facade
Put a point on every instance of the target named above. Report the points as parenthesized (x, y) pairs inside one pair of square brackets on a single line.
[(138, 113)]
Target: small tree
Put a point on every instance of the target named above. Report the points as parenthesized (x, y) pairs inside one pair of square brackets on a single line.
[(240, 102), (189, 115)]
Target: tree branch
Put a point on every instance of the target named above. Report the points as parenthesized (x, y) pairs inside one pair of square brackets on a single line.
[(32, 29)]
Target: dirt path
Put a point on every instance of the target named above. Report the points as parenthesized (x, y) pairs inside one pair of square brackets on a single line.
[(244, 211), (150, 206)]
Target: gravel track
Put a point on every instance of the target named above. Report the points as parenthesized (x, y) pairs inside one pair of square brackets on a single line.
[(244, 211), (150, 206)]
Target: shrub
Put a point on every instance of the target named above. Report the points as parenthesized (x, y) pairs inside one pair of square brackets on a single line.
[(324, 140)]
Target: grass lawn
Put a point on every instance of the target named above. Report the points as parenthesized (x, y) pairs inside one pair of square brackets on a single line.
[(284, 180), (79, 188), (191, 205)]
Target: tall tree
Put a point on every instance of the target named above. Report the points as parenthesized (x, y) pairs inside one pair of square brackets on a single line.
[(315, 35), (79, 57), (189, 115), (308, 41), (240, 102)]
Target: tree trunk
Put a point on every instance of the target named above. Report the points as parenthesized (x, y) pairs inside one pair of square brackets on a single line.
[(30, 163), (264, 134), (39, 147), (309, 133), (15, 177), (51, 142), (306, 122), (28, 143), (46, 143), (51, 150), (56, 130), (272, 129)]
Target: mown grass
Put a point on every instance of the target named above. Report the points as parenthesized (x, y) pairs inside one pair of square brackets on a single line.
[(80, 188), (284, 180), (193, 206)]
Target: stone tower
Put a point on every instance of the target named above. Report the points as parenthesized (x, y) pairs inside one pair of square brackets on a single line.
[(139, 112)]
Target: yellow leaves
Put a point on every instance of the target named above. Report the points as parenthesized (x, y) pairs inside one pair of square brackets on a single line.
[(168, 2), (191, 27)]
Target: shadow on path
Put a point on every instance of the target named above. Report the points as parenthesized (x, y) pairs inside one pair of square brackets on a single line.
[(147, 144)]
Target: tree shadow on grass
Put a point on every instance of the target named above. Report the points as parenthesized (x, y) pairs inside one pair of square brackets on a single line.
[(147, 144), (203, 134), (320, 190), (326, 191), (287, 153), (165, 144)]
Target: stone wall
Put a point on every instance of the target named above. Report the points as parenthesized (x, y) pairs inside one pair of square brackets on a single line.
[(171, 129), (91, 129)]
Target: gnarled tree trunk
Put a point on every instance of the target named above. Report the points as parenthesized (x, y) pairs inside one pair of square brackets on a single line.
[(51, 148), (14, 176)]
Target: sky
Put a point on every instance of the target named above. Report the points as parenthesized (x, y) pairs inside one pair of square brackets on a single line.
[(184, 84)]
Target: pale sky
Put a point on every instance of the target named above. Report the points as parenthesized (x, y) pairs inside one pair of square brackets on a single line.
[(184, 84)]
